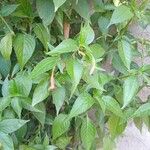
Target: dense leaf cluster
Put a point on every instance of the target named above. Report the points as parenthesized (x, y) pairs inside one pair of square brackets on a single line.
[(68, 77)]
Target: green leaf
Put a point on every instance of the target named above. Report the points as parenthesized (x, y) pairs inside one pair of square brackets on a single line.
[(143, 110), (25, 147), (83, 9), (51, 147), (6, 10), (11, 125), (112, 105), (115, 128), (105, 78), (121, 14), (125, 52), (23, 83), (61, 125), (103, 24), (5, 89), (16, 105), (46, 140), (127, 114), (108, 143), (86, 35), (130, 88), (21, 133), (62, 142), (39, 78), (6, 141), (59, 19), (4, 102), (5, 66), (6, 46), (88, 132), (74, 69), (24, 46), (118, 93), (91, 58), (41, 92), (40, 115), (42, 34), (58, 3), (26, 104), (24, 9), (58, 98), (138, 122), (8, 114), (97, 96), (44, 66), (13, 89), (82, 104), (92, 80), (45, 10), (97, 50), (118, 64), (65, 46)]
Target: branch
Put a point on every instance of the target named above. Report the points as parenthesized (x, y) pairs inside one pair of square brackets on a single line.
[(66, 29)]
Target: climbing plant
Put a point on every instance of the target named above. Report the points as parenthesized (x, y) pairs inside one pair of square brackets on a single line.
[(68, 76)]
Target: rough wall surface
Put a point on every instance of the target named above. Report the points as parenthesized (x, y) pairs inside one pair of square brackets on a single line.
[(133, 139)]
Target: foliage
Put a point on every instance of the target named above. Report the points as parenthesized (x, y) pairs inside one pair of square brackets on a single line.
[(53, 77)]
